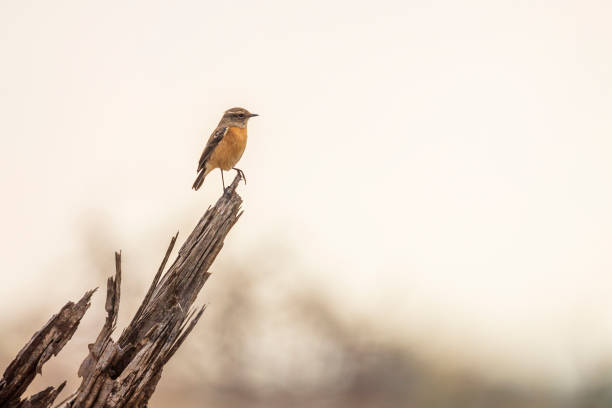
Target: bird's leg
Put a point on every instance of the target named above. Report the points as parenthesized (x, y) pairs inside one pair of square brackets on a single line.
[(241, 173), (222, 180)]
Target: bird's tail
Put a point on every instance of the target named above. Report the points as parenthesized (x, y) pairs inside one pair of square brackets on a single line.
[(199, 179)]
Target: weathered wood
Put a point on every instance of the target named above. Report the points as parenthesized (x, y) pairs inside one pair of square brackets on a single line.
[(44, 398), (125, 372), (47, 342)]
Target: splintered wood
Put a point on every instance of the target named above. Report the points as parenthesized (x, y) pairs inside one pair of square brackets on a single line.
[(125, 372)]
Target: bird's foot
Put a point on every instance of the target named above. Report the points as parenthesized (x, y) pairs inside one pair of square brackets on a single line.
[(241, 173)]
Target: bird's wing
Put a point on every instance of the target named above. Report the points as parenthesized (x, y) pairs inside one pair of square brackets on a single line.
[(212, 143)]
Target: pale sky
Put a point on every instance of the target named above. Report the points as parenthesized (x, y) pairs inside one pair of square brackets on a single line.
[(442, 167)]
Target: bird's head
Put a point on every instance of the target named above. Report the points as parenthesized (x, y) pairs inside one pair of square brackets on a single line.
[(237, 117)]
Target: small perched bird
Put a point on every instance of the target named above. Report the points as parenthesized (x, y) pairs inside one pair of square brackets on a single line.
[(225, 145)]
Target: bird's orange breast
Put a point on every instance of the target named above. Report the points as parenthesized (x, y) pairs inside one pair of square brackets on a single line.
[(230, 149)]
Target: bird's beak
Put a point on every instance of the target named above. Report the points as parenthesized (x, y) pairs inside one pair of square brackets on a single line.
[(252, 115)]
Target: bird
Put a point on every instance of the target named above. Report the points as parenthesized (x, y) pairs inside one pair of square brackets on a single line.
[(225, 145)]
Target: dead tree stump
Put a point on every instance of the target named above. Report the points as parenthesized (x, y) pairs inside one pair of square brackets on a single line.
[(125, 372)]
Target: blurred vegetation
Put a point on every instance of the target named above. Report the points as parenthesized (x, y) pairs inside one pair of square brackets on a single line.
[(270, 338), (265, 343)]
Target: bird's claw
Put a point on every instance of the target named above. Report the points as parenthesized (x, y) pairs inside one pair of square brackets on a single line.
[(241, 174)]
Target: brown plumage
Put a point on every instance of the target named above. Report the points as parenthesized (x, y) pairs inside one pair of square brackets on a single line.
[(225, 145)]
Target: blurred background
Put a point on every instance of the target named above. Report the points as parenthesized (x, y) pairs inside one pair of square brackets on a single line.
[(427, 217)]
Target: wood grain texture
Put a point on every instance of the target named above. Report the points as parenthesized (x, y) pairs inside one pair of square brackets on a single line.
[(126, 371), (46, 342)]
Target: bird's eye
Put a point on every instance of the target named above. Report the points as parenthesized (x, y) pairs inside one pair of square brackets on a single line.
[(241, 115)]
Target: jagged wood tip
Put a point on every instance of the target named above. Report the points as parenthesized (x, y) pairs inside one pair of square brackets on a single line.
[(125, 372)]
